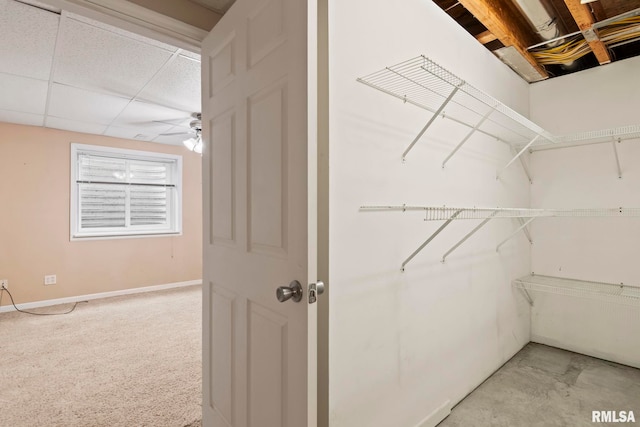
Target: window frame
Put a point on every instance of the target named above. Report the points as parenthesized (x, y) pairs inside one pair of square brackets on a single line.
[(174, 211)]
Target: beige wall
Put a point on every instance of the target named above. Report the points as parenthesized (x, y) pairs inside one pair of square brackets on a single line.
[(34, 223), (183, 10)]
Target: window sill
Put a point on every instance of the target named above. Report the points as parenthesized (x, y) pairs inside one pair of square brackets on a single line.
[(83, 237)]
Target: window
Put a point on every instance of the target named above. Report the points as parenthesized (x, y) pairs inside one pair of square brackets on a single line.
[(116, 192)]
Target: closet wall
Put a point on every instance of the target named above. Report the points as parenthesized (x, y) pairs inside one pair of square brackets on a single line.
[(404, 347), (595, 249)]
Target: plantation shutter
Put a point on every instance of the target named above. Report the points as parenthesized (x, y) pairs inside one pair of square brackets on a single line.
[(116, 192)]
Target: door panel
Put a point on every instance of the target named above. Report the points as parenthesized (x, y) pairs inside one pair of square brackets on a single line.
[(222, 146), (258, 371), (267, 366), (268, 166)]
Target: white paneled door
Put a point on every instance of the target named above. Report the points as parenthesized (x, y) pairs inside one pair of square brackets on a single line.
[(259, 359)]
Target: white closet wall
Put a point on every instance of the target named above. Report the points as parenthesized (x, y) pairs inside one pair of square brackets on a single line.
[(403, 345), (598, 249)]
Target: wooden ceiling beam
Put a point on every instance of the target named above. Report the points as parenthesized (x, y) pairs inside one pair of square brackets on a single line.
[(506, 24), (598, 11), (583, 17), (486, 37)]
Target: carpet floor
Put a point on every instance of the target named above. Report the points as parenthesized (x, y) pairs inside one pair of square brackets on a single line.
[(125, 361)]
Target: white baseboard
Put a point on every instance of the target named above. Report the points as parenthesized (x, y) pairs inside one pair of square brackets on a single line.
[(437, 415), (46, 303)]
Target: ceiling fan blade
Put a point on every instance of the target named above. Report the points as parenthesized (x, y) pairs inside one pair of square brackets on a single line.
[(177, 133), (173, 122)]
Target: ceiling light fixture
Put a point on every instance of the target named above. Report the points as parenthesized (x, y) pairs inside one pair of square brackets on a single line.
[(194, 144)]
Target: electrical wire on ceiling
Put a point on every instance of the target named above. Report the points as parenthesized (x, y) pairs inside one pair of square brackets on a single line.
[(624, 30)]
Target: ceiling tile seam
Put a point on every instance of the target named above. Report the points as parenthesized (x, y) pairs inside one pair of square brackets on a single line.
[(56, 51), (4, 73), (19, 112), (119, 34), (164, 66), (199, 61)]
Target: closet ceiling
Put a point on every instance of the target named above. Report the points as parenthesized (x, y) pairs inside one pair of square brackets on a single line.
[(542, 39), (64, 71)]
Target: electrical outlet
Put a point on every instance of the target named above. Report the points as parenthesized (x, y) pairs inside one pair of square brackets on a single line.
[(4, 283), (50, 280)]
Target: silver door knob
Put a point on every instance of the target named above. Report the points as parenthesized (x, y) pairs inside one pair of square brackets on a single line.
[(293, 291)]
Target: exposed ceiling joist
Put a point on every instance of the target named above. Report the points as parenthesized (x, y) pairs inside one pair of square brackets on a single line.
[(583, 17), (505, 23), (486, 37)]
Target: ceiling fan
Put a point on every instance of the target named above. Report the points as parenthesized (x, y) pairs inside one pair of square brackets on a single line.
[(193, 143)]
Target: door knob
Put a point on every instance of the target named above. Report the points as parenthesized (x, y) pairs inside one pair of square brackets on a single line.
[(293, 291)]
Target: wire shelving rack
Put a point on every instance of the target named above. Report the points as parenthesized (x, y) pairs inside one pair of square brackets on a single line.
[(618, 293), (425, 84), (525, 216)]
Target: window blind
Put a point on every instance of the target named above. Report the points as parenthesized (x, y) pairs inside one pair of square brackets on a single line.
[(117, 192)]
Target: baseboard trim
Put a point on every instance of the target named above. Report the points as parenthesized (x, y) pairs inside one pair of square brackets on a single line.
[(50, 302), (437, 415)]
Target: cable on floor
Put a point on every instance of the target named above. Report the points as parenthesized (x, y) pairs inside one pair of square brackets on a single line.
[(34, 313)]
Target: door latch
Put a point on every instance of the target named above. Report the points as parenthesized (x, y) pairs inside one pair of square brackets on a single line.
[(315, 289)]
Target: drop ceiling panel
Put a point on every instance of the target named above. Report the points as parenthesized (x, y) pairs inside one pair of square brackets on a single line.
[(151, 117), (94, 58), (75, 126), (27, 39), (129, 133), (178, 85), (78, 104), (21, 118), (23, 94)]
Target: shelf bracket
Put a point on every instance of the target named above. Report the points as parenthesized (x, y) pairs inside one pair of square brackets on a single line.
[(431, 120), (517, 155), (527, 296), (526, 231), (615, 151), (435, 233), (514, 233), (471, 233), (524, 165), (471, 132)]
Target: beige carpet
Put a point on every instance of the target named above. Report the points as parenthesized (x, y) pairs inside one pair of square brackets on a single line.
[(123, 361)]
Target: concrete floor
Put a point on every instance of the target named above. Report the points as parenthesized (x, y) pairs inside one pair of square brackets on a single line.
[(546, 386)]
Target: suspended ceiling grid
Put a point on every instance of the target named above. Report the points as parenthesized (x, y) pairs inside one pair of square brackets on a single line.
[(68, 72)]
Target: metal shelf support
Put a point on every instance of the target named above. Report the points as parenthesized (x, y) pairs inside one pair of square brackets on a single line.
[(615, 151), (526, 231), (435, 233), (431, 120), (518, 155), (471, 132), (514, 233), (524, 165), (471, 233)]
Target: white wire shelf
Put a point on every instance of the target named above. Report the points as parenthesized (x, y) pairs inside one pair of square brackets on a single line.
[(525, 216), (425, 84), (618, 134), (619, 293), (444, 213)]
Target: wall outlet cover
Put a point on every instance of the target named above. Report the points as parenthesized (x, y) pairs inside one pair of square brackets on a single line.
[(50, 279)]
